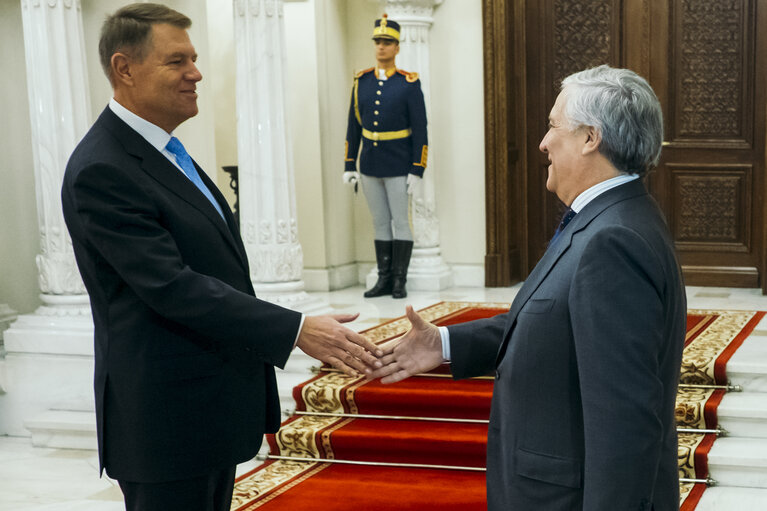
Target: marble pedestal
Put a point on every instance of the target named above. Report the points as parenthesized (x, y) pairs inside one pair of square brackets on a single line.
[(48, 366)]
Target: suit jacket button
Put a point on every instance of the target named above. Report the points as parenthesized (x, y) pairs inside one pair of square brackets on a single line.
[(497, 374)]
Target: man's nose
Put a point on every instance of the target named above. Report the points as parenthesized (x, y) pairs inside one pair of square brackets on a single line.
[(194, 74)]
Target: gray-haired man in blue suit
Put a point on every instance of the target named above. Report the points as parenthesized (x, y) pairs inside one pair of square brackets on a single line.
[(587, 360)]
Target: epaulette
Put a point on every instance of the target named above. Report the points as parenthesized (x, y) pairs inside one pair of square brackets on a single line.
[(363, 72), (410, 77)]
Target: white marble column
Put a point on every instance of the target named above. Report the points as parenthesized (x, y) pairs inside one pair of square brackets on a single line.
[(266, 176), (57, 85), (43, 345), (427, 272)]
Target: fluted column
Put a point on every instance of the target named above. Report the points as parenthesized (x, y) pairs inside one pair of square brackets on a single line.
[(57, 86), (266, 176), (49, 354), (427, 269)]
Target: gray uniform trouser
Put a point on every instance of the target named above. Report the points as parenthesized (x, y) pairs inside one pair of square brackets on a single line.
[(388, 203)]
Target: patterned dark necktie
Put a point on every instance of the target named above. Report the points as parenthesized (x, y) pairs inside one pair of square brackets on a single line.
[(569, 214), (185, 162)]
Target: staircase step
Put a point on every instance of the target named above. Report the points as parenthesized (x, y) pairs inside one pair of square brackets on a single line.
[(739, 462), (64, 429), (748, 365), (423, 396), (744, 414), (400, 441), (719, 498)]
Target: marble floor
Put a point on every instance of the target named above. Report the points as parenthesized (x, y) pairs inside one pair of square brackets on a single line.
[(42, 479)]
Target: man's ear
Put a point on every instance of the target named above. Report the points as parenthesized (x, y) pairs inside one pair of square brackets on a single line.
[(593, 140), (121, 69)]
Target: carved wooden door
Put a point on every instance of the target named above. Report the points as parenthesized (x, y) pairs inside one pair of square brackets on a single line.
[(707, 66), (706, 61)]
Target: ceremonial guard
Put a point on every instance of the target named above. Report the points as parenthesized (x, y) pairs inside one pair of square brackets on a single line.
[(388, 115)]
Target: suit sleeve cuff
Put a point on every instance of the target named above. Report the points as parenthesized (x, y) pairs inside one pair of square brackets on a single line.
[(300, 326), (417, 170)]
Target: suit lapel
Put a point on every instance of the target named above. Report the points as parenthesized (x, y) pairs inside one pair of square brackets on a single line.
[(231, 222), (163, 171), (579, 223)]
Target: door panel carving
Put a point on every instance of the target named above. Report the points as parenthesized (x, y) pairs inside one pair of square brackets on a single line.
[(704, 59)]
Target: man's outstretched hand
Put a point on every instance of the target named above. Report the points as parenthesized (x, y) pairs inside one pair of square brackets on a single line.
[(326, 339), (417, 351)]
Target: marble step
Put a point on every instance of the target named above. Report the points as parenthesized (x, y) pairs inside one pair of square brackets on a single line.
[(739, 462), (748, 365), (64, 429), (719, 498), (744, 414)]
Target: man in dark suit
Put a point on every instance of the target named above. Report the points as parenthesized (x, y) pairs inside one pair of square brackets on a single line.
[(587, 360), (184, 351)]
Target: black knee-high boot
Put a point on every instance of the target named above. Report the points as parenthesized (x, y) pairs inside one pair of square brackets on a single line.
[(401, 251), (383, 259)]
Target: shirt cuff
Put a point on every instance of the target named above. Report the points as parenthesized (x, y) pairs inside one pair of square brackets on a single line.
[(300, 326), (445, 336)]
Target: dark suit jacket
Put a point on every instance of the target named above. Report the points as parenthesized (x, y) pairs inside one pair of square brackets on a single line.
[(184, 351), (587, 364)]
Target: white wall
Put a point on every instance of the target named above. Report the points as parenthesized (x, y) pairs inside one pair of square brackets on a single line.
[(457, 127), (19, 235)]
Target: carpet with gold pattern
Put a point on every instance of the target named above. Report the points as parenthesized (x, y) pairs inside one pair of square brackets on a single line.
[(420, 444)]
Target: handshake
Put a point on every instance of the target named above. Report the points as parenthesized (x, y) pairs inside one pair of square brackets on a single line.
[(327, 339)]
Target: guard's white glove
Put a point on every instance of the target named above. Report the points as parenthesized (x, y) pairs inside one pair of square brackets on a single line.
[(413, 183), (351, 177)]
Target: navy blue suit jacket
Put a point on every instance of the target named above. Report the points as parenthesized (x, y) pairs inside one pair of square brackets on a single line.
[(184, 351), (587, 365)]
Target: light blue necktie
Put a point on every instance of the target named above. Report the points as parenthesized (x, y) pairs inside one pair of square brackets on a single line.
[(185, 162)]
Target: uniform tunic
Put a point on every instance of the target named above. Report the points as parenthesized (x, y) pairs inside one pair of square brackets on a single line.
[(389, 118)]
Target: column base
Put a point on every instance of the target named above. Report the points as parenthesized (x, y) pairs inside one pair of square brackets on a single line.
[(48, 362), (7, 316), (291, 295)]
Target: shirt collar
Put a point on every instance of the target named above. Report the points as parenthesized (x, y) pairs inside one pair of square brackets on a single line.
[(598, 189), (152, 133)]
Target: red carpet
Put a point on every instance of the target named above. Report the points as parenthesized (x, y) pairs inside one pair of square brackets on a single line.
[(339, 487), (437, 427)]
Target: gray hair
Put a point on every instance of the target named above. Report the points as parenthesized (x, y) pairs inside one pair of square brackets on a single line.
[(129, 30), (622, 106)]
